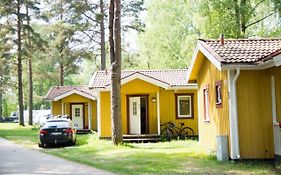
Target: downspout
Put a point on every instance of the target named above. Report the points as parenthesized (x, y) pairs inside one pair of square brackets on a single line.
[(235, 115)]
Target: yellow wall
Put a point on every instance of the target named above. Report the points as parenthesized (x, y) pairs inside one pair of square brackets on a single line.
[(167, 106), (254, 109), (75, 98), (255, 112), (219, 117)]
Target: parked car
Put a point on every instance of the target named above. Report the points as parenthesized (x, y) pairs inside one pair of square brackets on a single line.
[(57, 131)]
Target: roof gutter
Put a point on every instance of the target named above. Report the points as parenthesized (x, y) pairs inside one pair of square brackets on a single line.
[(233, 114)]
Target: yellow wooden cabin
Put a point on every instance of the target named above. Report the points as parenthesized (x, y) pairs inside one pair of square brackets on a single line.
[(78, 102), (149, 98), (239, 95)]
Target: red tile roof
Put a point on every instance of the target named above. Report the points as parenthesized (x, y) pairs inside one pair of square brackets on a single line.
[(250, 51), (60, 90), (173, 78)]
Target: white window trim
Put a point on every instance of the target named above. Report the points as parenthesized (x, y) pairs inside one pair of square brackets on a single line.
[(206, 105), (190, 105), (218, 95)]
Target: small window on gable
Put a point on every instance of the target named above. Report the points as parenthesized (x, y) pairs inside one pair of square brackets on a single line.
[(206, 104), (218, 93), (184, 106)]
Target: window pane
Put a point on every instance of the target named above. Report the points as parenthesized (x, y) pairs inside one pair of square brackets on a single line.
[(184, 105), (77, 112), (134, 108)]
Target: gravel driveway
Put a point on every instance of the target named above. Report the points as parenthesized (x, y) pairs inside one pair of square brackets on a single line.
[(15, 159)]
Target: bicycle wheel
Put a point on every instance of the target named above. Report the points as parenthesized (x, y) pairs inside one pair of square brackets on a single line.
[(167, 133), (186, 132)]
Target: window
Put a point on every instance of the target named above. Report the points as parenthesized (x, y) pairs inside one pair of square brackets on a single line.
[(184, 106), (135, 108), (206, 104), (218, 94), (77, 112)]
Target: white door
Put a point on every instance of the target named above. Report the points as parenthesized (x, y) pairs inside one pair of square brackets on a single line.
[(77, 116), (135, 115)]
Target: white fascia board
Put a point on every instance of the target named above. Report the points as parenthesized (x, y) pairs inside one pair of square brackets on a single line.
[(141, 77), (210, 57), (194, 56), (74, 92), (183, 88), (277, 60), (260, 66), (92, 79)]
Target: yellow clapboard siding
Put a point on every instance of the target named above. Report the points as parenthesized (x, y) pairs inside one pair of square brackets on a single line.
[(254, 115), (168, 108), (219, 117), (56, 107), (140, 87)]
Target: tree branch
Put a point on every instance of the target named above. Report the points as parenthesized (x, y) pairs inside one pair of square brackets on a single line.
[(259, 20), (254, 8), (92, 19)]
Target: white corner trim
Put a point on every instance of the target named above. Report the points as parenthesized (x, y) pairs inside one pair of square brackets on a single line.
[(158, 114), (141, 77), (74, 92), (273, 99), (277, 60)]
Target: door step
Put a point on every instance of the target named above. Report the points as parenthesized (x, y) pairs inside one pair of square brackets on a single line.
[(143, 138), (83, 131)]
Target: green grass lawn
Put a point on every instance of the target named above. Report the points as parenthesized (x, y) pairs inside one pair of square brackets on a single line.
[(176, 157)]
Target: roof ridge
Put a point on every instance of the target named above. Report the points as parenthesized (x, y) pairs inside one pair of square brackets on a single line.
[(149, 70), (241, 39)]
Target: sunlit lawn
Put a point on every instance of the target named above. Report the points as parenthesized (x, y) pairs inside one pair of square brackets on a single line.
[(176, 157)]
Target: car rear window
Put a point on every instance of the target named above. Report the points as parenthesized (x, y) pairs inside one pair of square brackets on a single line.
[(56, 124)]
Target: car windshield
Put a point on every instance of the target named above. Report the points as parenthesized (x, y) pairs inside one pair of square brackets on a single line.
[(56, 124)]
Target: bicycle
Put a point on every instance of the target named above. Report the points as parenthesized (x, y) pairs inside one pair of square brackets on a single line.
[(170, 131)]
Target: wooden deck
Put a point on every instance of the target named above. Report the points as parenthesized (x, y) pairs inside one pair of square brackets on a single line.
[(143, 138)]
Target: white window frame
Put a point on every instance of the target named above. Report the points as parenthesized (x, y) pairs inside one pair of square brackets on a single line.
[(218, 88), (206, 105), (190, 106)]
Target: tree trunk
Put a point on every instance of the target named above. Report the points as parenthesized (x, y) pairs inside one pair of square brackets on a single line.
[(19, 65), (115, 60), (243, 14), (30, 83), (102, 37), (237, 18), (61, 75)]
